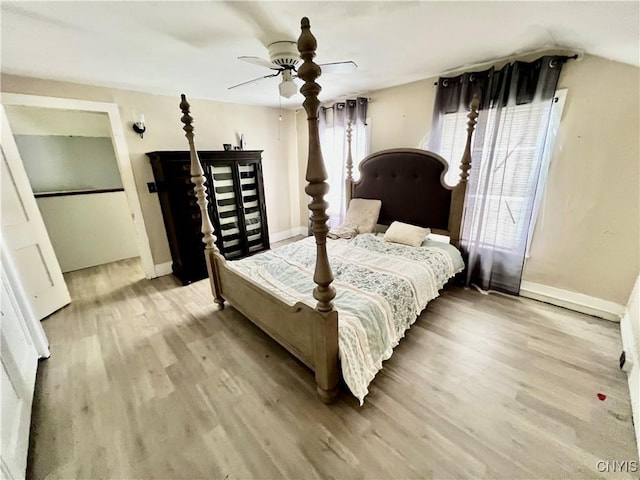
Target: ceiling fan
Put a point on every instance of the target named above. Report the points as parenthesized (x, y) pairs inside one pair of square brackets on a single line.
[(283, 58)]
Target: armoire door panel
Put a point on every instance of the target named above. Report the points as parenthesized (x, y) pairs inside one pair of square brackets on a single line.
[(236, 206)]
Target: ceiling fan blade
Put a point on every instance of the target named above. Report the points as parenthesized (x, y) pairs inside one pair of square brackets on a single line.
[(254, 80), (258, 61), (339, 67)]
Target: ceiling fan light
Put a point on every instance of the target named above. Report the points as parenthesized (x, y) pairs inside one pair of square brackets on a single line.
[(288, 88)]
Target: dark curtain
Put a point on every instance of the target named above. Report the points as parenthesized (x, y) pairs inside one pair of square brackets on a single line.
[(515, 106)]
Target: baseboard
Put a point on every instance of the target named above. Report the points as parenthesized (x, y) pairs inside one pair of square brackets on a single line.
[(628, 341), (629, 345), (166, 268), (573, 301), (302, 230), (277, 237), (163, 269)]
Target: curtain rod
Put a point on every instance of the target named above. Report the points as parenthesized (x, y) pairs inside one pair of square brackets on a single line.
[(508, 58), (330, 103), (349, 97)]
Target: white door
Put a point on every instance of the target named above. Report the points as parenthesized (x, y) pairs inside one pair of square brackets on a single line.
[(25, 235), (19, 362)]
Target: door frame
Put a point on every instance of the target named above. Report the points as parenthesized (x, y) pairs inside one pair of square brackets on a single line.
[(120, 149)]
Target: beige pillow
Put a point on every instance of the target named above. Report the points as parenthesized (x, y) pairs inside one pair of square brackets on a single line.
[(406, 234), (364, 213)]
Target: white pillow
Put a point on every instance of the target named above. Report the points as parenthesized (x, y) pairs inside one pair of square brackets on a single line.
[(406, 234), (363, 213)]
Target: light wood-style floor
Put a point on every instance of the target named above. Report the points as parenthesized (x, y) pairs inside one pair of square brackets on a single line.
[(148, 380)]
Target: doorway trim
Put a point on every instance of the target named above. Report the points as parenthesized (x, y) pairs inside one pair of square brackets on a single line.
[(121, 152)]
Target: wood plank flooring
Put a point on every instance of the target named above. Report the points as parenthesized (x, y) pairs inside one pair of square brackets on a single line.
[(147, 380)]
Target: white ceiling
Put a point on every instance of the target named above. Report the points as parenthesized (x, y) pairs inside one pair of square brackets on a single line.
[(192, 47)]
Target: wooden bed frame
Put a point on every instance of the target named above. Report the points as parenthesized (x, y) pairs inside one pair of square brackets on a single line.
[(312, 334)]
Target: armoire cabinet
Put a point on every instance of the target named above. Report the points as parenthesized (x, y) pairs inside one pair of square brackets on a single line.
[(236, 206)]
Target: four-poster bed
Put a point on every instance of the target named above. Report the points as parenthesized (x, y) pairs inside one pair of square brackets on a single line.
[(409, 183)]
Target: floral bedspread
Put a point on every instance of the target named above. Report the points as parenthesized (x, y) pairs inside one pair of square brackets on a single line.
[(381, 288)]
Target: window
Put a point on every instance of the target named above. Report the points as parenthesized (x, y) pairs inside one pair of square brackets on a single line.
[(519, 139), (334, 152)]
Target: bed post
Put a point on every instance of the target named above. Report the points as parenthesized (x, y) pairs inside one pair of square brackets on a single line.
[(459, 191), (198, 178), (325, 332), (348, 187)]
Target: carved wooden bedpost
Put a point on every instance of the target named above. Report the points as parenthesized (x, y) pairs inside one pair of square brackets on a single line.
[(326, 334), (459, 192), (316, 175), (198, 179), (348, 187)]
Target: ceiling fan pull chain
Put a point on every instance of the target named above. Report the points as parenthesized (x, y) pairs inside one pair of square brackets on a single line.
[(279, 116)]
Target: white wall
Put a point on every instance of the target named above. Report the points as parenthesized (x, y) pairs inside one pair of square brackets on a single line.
[(587, 236), (47, 121), (59, 163), (89, 230), (630, 331)]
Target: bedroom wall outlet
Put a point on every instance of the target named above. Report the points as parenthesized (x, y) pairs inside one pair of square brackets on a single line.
[(625, 364), (152, 187)]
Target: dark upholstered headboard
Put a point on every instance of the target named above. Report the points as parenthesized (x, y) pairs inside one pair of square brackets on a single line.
[(410, 183)]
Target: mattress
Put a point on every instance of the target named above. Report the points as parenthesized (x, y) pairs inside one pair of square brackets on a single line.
[(381, 288)]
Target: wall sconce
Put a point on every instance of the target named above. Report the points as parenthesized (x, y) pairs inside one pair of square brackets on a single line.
[(139, 127)]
